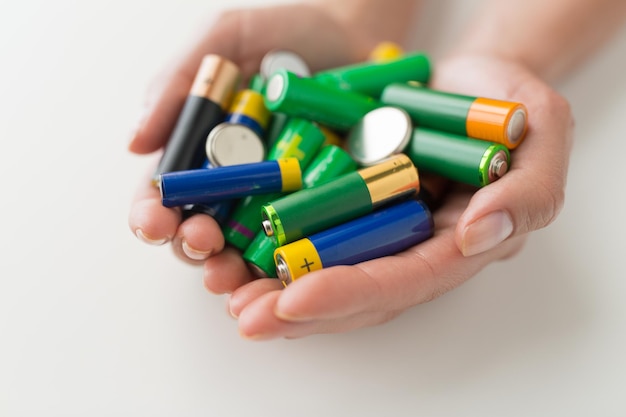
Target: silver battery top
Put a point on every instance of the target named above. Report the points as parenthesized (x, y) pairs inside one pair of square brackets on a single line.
[(233, 144), (286, 59), (381, 133), (517, 126)]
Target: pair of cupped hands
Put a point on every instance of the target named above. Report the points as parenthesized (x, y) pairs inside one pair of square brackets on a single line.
[(473, 227)]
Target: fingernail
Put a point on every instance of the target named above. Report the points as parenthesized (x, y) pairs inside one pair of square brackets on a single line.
[(146, 239), (287, 317), (195, 254), (486, 233), (232, 313), (256, 336), (291, 317)]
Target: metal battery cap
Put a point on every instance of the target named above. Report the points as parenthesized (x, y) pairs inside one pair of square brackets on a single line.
[(286, 59), (282, 270), (233, 144), (381, 133)]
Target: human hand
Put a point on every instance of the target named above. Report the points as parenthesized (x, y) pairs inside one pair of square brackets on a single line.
[(243, 36), (473, 228)]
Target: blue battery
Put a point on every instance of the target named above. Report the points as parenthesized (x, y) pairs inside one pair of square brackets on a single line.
[(383, 232), (248, 109), (180, 188)]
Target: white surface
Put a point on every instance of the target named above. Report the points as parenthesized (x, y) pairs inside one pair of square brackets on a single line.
[(94, 323)]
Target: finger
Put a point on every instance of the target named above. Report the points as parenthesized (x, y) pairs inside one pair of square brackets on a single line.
[(149, 220), (388, 284), (531, 195), (197, 238), (245, 294), (225, 272), (257, 321)]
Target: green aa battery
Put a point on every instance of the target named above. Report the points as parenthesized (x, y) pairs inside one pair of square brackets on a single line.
[(257, 83), (299, 139), (336, 201), (459, 158), (371, 78), (487, 119), (307, 98), (278, 122), (329, 163)]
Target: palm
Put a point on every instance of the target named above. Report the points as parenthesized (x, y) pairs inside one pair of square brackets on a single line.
[(348, 297)]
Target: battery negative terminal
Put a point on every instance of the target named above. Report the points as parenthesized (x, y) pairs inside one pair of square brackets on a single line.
[(282, 270), (499, 166)]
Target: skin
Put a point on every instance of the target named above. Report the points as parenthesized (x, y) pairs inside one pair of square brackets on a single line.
[(473, 227)]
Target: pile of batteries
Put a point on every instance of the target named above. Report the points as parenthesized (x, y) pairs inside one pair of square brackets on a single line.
[(306, 171)]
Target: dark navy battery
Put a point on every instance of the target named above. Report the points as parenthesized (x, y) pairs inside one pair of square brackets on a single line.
[(203, 185), (383, 232)]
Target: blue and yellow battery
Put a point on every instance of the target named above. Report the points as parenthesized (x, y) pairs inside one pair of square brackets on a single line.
[(349, 196), (248, 109), (329, 163), (458, 158), (206, 105), (482, 118), (229, 182), (371, 77), (307, 98), (300, 139), (383, 232), (227, 144)]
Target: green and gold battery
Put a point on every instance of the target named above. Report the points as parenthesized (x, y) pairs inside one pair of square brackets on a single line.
[(459, 158), (371, 78), (307, 98), (300, 139), (482, 118), (329, 163), (344, 198)]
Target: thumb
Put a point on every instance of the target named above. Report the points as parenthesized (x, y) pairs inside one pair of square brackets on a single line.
[(531, 195)]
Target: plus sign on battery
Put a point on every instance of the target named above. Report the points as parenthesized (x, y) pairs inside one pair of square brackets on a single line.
[(307, 265)]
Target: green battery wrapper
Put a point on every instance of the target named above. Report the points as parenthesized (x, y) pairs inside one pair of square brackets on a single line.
[(299, 139), (260, 255), (243, 224), (430, 108), (371, 78), (257, 83), (309, 99), (329, 163), (317, 208), (278, 122), (455, 157)]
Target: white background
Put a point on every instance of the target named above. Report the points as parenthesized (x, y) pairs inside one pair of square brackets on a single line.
[(95, 323)]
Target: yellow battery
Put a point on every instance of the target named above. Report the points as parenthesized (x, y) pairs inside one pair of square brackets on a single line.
[(290, 174), (385, 51), (332, 137), (300, 249), (248, 109)]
